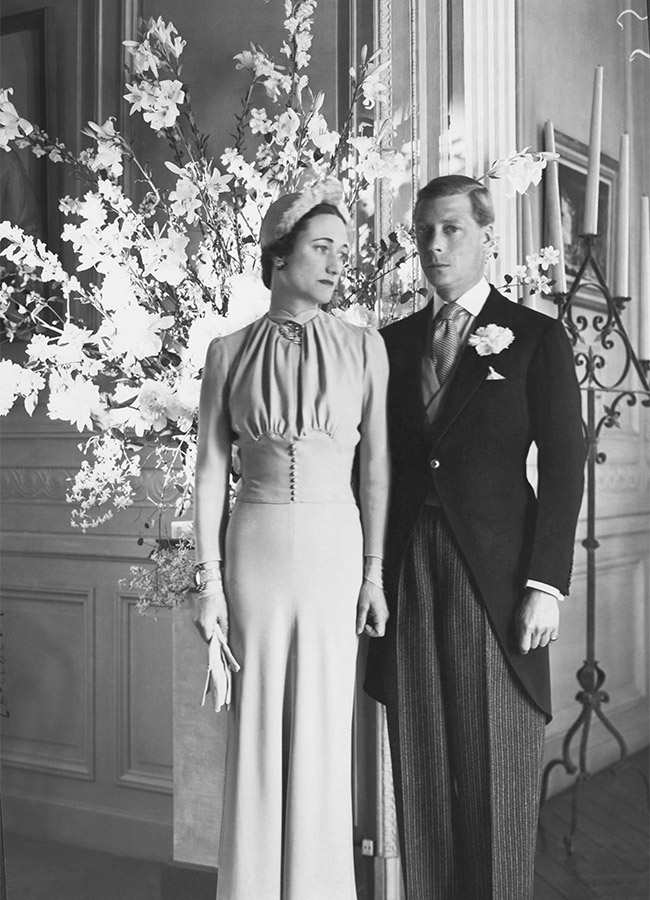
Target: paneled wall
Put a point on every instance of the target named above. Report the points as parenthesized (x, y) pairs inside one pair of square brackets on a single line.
[(87, 750)]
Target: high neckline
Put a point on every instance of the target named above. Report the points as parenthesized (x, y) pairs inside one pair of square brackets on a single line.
[(279, 315)]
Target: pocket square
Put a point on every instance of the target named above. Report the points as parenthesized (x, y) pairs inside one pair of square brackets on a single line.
[(493, 375)]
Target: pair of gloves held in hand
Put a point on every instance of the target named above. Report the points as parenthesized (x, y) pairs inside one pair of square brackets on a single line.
[(221, 662)]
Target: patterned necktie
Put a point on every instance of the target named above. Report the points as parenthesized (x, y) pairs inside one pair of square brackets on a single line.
[(446, 340)]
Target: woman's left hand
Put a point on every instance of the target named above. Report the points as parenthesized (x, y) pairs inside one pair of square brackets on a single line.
[(372, 610)]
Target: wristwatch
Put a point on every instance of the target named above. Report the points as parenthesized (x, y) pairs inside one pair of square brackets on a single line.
[(204, 574)]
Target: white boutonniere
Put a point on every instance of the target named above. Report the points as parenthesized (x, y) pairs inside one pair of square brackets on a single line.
[(491, 339)]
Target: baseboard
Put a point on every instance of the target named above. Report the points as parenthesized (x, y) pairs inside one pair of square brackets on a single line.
[(83, 826)]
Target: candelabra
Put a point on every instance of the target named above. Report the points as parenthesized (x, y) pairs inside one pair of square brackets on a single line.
[(609, 331)]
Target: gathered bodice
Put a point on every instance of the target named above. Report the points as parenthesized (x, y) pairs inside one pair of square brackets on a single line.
[(295, 407)]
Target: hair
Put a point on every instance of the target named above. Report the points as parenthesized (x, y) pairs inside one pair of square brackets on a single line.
[(283, 247), (450, 185)]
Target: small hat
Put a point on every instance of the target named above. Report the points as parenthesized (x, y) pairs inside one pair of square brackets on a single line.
[(287, 210)]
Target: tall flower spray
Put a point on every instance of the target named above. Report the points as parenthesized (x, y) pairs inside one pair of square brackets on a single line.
[(180, 266)]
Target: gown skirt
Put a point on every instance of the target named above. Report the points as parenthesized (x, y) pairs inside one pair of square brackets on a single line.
[(292, 578)]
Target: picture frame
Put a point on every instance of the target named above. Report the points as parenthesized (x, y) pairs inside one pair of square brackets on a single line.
[(24, 195), (572, 176)]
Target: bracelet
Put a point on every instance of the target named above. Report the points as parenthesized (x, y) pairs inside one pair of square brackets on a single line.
[(204, 575)]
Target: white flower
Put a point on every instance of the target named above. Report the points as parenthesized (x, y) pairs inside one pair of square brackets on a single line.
[(287, 125), (326, 141), (216, 184), (549, 256), (109, 147), (186, 396), (491, 339), (158, 102), (356, 314), (12, 126), (373, 89), (155, 404), (166, 35), (40, 349), (259, 121), (117, 291), (74, 400), (249, 299), (165, 257), (521, 170), (16, 381), (143, 57), (133, 332), (185, 200)]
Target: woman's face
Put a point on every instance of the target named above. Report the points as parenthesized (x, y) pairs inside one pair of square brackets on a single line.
[(313, 268)]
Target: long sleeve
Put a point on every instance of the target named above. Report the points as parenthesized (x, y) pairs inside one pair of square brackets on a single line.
[(374, 460), (556, 408), (211, 488)]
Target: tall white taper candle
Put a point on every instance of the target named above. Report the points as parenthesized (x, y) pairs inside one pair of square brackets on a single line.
[(644, 284), (590, 224), (621, 282), (554, 234)]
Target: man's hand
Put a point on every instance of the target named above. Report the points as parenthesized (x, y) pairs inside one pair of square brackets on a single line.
[(538, 620), (208, 608), (372, 610)]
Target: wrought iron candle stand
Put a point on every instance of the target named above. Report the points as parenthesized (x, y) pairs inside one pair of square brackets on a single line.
[(591, 364)]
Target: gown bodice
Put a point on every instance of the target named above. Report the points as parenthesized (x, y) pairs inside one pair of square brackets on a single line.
[(296, 406)]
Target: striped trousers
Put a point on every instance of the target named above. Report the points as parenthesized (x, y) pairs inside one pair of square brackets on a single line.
[(466, 741)]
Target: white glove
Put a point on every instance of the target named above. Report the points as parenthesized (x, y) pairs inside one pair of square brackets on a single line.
[(221, 665)]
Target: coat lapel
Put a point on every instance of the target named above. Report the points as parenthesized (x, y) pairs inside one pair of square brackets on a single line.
[(472, 369)]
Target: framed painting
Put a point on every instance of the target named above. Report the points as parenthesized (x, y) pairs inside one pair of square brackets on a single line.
[(23, 178), (572, 171)]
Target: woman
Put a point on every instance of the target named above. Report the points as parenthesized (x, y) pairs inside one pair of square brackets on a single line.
[(300, 393)]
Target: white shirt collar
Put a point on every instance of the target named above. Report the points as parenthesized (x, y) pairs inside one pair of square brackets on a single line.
[(472, 300)]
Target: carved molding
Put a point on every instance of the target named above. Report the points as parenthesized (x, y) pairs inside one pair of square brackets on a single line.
[(35, 484), (51, 485)]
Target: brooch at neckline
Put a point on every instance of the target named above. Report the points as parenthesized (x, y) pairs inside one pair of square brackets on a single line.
[(291, 331)]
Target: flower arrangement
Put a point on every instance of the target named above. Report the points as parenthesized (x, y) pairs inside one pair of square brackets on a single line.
[(174, 268)]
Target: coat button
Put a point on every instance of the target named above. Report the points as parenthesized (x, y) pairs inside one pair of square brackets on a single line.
[(434, 463)]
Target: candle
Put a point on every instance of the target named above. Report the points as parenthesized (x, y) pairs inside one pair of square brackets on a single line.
[(622, 235), (528, 243), (590, 224), (644, 293), (554, 236)]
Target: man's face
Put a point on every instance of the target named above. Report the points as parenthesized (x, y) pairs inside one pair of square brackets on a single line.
[(451, 244)]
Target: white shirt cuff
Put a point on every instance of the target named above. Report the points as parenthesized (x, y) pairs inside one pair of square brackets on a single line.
[(547, 588)]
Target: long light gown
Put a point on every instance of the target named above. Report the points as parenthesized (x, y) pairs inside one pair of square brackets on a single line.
[(294, 552)]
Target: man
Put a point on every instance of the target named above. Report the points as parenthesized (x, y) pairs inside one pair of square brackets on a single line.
[(476, 561)]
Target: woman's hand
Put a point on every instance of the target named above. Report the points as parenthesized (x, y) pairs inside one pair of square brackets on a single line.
[(372, 610), (209, 607)]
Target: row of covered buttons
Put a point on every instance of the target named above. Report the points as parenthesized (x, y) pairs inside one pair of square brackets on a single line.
[(292, 475)]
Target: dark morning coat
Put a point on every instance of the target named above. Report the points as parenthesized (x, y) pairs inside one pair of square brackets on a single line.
[(476, 455)]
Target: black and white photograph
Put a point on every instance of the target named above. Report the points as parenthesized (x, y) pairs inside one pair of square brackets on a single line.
[(324, 450)]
